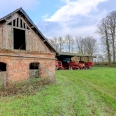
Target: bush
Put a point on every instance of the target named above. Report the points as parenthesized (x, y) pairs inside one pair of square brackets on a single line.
[(27, 87), (104, 64)]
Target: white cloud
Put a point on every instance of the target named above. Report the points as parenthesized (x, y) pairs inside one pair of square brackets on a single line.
[(63, 30), (78, 7), (78, 26), (76, 17), (85, 31), (45, 16)]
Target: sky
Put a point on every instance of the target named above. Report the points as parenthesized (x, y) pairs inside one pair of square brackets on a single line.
[(57, 18)]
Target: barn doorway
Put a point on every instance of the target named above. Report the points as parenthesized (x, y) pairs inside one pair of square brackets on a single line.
[(2, 66), (3, 73), (34, 70), (19, 39)]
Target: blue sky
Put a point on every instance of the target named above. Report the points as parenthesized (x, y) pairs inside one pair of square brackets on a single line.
[(57, 18)]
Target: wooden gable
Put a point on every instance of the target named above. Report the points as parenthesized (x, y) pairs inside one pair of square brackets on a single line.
[(32, 37)]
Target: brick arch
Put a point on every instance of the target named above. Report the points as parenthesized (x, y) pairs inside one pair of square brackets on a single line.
[(3, 66)]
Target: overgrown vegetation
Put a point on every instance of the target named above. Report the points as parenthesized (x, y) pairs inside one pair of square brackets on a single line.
[(77, 93), (26, 87), (104, 64)]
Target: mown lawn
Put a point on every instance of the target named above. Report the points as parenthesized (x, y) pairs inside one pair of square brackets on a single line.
[(77, 93)]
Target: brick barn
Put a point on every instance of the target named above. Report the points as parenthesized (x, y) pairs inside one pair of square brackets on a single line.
[(24, 51)]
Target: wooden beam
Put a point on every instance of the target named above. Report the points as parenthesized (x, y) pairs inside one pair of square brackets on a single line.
[(13, 18), (22, 24), (32, 27), (2, 37), (12, 23), (25, 26), (19, 28), (16, 22), (44, 41), (19, 22), (25, 22), (7, 37)]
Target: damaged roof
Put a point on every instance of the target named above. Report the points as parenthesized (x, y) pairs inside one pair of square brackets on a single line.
[(20, 11)]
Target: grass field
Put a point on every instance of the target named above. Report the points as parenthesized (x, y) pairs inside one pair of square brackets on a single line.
[(77, 93)]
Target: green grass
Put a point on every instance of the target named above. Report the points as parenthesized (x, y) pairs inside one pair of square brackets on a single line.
[(77, 93)]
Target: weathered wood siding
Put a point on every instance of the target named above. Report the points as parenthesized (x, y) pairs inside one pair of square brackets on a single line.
[(33, 41)]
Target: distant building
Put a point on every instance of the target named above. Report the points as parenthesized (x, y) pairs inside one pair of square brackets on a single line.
[(67, 57)]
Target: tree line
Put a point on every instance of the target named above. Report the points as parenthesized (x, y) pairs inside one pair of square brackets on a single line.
[(86, 45), (107, 30)]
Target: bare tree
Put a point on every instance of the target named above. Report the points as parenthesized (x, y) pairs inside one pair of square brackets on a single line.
[(61, 42), (89, 45), (54, 43), (111, 18), (86, 45), (57, 43), (104, 33), (69, 43), (107, 30), (79, 45)]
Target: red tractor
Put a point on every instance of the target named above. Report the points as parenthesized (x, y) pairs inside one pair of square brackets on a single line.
[(58, 65), (89, 64), (73, 65), (76, 65)]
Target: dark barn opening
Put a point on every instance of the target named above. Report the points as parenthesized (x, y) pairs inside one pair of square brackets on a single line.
[(19, 39), (3, 74), (2, 66), (34, 65), (34, 69)]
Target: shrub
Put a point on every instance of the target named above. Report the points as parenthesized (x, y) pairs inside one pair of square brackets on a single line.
[(27, 87)]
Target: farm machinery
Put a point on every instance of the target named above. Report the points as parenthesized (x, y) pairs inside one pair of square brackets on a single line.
[(80, 65), (73, 65), (58, 65), (67, 60)]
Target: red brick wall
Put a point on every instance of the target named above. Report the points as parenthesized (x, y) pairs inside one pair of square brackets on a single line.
[(18, 67)]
